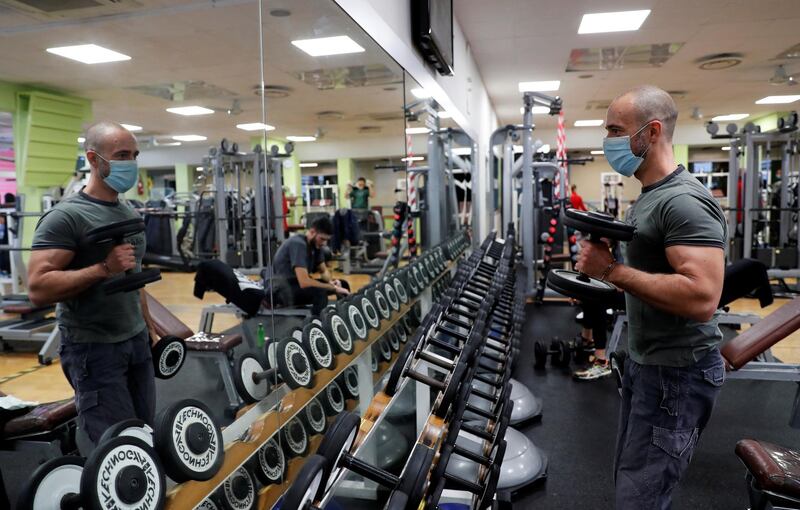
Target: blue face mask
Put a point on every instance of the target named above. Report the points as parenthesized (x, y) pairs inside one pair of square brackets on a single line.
[(619, 154), (123, 174)]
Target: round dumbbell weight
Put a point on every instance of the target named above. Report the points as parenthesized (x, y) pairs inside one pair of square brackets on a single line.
[(301, 494), (239, 491), (115, 234), (169, 353), (381, 303), (333, 401), (317, 345), (294, 438), (337, 329), (401, 333), (269, 463), (292, 362), (595, 226), (348, 381), (559, 352), (354, 319), (313, 418), (393, 340), (130, 428), (411, 282), (399, 288), (391, 294), (368, 309), (484, 488), (212, 502), (189, 441)]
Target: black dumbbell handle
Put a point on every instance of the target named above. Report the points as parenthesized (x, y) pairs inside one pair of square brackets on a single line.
[(71, 501), (496, 382), (480, 412), (473, 456), (481, 433), (370, 472), (427, 380), (265, 375), (441, 344), (457, 321), (462, 484), (460, 336), (434, 359)]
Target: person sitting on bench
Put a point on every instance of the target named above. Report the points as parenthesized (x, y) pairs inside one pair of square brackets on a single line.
[(295, 260)]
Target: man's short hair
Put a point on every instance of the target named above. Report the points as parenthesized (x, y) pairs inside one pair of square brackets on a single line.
[(323, 225), (653, 103), (574, 187), (361, 179)]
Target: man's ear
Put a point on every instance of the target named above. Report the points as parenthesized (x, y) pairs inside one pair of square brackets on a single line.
[(656, 128)]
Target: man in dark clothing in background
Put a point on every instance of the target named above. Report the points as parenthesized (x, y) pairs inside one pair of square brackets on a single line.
[(296, 259)]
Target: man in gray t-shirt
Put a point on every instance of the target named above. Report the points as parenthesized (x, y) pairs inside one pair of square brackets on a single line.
[(105, 339), (672, 278)]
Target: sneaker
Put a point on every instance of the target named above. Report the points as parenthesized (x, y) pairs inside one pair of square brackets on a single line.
[(596, 370)]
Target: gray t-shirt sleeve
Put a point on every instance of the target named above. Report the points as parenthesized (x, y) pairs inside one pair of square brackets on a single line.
[(298, 256), (689, 220), (55, 230)]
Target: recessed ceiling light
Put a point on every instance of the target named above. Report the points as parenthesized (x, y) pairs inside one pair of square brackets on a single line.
[(190, 110), (81, 139), (417, 131), (199, 169), (445, 115), (588, 123), (597, 153), (280, 13), (255, 126), (536, 110), (726, 148), (420, 93), (539, 86), (544, 149), (325, 46), (412, 158), (622, 21), (309, 165), (778, 99), (169, 144), (300, 138), (189, 138), (730, 116), (462, 151), (131, 127), (88, 54)]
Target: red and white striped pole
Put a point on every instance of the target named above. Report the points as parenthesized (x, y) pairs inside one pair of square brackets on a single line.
[(561, 155), (412, 197)]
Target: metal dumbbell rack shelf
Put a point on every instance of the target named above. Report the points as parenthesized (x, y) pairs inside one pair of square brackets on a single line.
[(263, 420)]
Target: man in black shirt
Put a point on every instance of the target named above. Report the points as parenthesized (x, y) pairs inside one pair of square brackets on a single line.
[(296, 259)]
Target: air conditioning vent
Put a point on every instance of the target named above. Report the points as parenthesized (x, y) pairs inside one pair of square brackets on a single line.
[(48, 10)]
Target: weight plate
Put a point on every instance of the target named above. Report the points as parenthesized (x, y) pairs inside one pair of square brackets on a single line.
[(168, 356), (333, 399), (399, 369), (307, 484), (294, 366), (339, 332), (244, 369), (131, 282), (429, 268), (412, 283), (393, 340), (354, 319), (114, 231), (51, 482), (123, 472), (337, 442), (294, 439), (209, 503), (349, 382), (406, 322), (415, 474), (579, 286), (391, 296), (318, 346), (400, 289), (402, 334), (188, 441), (373, 362), (132, 428), (598, 224), (451, 390), (382, 303), (416, 273), (313, 416), (369, 311), (385, 350), (270, 463), (239, 490)]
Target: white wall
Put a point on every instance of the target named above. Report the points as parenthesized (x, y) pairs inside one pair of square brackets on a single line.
[(587, 178)]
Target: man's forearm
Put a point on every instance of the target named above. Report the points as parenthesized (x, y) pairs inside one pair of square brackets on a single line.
[(55, 286), (673, 293)]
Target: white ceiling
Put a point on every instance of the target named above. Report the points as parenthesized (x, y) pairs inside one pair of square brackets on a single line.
[(213, 41), (525, 40)]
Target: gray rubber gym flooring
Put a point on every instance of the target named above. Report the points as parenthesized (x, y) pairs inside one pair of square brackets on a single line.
[(579, 423)]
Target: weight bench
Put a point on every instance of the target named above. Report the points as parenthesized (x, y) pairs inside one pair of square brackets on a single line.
[(33, 324), (218, 348), (773, 475)]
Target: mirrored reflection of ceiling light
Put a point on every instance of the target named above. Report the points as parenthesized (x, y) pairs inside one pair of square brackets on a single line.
[(445, 115), (324, 46), (169, 144), (536, 110), (189, 138), (517, 149), (539, 86), (301, 138), (81, 139), (589, 123), (462, 151), (309, 165), (255, 126), (412, 158), (622, 21), (417, 131), (190, 110), (199, 169), (597, 153), (778, 99), (88, 54), (730, 116), (132, 128), (420, 93), (544, 149), (726, 148)]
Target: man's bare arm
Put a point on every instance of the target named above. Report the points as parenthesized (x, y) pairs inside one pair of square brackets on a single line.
[(305, 281), (49, 282)]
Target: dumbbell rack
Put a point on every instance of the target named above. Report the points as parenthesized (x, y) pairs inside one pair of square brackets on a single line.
[(263, 420)]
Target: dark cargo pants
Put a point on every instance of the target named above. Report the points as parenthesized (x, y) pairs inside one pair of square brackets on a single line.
[(112, 382), (663, 412)]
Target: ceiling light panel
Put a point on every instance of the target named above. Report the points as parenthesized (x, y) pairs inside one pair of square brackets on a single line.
[(325, 46), (612, 58), (255, 126), (729, 117), (589, 123), (621, 21), (417, 131), (190, 110), (301, 138), (132, 128), (189, 138), (88, 54), (412, 158), (539, 86), (597, 153), (786, 99), (420, 93), (309, 165)]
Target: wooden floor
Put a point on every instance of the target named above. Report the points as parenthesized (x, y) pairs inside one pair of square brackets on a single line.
[(23, 377)]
